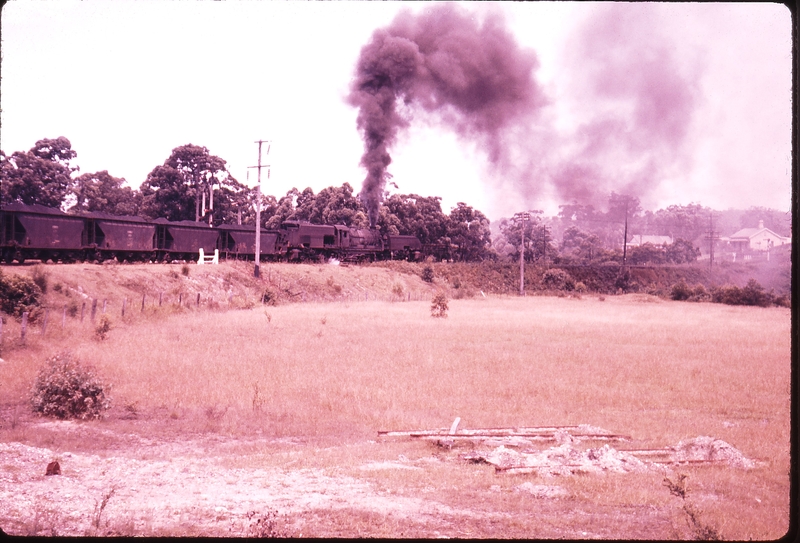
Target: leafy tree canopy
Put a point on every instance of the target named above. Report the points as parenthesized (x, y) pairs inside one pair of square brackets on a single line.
[(103, 192), (39, 176)]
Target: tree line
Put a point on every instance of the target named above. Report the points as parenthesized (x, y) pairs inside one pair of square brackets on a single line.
[(194, 185)]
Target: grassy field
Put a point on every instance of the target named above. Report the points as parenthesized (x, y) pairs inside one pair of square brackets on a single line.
[(335, 373)]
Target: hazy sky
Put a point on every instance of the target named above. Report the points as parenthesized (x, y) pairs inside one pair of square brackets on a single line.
[(673, 103)]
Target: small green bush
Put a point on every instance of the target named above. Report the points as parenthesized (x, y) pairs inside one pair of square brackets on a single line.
[(427, 274), (580, 287), (439, 306), (19, 294), (66, 389), (557, 279)]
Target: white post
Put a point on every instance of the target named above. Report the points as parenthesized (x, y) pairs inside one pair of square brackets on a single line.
[(201, 259)]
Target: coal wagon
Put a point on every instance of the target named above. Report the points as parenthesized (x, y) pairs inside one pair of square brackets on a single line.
[(39, 232)]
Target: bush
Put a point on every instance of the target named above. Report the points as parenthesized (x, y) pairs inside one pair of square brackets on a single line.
[(580, 287), (752, 294), (40, 277), (103, 328), (427, 274), (439, 306), (681, 291), (557, 279), (269, 297), (18, 294), (66, 389)]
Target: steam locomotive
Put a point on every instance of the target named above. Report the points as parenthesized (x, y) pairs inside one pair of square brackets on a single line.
[(36, 232)]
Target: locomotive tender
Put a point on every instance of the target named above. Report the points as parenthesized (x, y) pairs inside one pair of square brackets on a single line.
[(31, 232)]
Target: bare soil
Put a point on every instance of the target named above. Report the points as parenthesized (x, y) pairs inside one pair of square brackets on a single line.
[(134, 476)]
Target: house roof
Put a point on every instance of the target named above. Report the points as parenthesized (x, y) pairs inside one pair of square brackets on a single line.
[(639, 239), (749, 233)]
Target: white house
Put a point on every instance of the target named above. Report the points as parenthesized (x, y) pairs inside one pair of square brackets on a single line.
[(757, 239)]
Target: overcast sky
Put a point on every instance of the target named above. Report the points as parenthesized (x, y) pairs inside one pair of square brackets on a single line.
[(673, 103)]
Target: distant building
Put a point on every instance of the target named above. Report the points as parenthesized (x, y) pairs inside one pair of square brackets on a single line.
[(749, 240), (637, 240)]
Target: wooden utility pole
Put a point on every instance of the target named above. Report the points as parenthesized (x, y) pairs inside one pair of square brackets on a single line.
[(520, 218), (257, 270), (712, 237), (625, 237)]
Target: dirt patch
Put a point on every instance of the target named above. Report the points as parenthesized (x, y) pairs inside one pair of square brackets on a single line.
[(185, 485)]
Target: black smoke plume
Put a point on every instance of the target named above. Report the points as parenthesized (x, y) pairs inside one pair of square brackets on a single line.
[(470, 74)]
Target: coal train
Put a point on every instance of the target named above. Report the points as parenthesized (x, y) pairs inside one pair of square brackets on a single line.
[(36, 232)]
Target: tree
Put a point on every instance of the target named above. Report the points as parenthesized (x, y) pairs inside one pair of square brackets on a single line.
[(38, 176), (164, 194), (468, 229), (538, 240), (103, 192), (681, 251), (415, 215), (188, 173), (200, 170)]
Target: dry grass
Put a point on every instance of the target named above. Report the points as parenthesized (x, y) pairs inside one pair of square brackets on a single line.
[(336, 373)]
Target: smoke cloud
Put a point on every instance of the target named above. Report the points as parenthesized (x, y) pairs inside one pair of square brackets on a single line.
[(629, 99), (637, 104), (472, 76)]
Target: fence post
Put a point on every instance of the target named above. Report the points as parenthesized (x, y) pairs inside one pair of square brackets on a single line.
[(104, 305), (198, 299), (24, 327), (143, 295), (180, 299), (94, 308), (83, 310), (160, 295), (44, 323), (124, 301)]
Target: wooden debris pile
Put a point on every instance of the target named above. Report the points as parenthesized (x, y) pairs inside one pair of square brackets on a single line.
[(570, 455), (512, 436)]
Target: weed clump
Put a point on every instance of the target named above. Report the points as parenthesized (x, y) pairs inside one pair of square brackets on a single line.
[(427, 274), (439, 306), (65, 389), (185, 270)]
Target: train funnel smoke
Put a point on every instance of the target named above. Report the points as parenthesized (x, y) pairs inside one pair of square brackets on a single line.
[(470, 75)]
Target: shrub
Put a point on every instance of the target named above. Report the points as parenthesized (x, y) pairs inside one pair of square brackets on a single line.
[(397, 290), (439, 306), (185, 270), (103, 328), (40, 277), (700, 294), (680, 291), (580, 287), (18, 294), (269, 297), (557, 279), (752, 294), (66, 389), (427, 274)]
